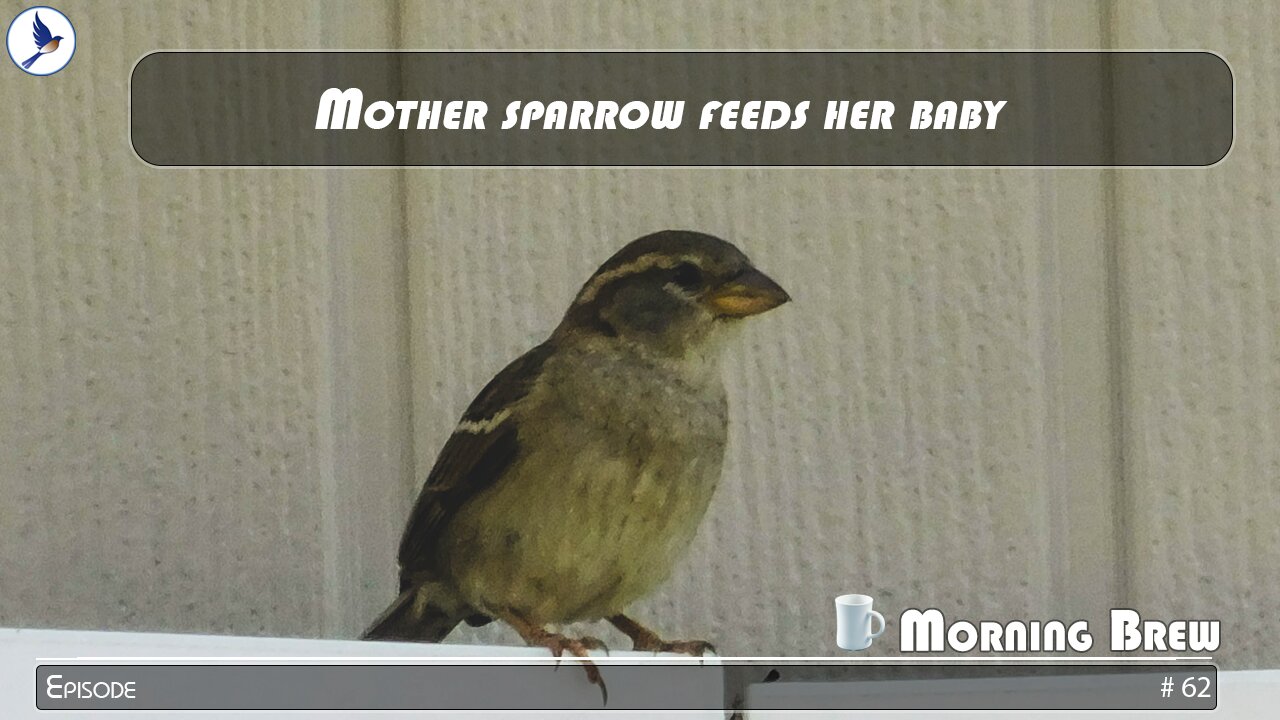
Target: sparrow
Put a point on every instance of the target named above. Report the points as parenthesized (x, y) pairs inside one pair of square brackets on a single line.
[(579, 475), (46, 42)]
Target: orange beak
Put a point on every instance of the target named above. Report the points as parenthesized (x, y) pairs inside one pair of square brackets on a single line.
[(750, 293)]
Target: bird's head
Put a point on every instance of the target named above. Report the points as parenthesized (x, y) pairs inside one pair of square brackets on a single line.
[(670, 291), (57, 38)]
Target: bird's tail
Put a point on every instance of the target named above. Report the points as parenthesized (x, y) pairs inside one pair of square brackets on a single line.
[(26, 64), (423, 613)]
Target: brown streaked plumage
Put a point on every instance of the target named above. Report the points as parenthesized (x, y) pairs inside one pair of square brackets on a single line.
[(580, 473)]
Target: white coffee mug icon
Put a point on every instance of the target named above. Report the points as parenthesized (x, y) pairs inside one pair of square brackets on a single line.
[(853, 622)]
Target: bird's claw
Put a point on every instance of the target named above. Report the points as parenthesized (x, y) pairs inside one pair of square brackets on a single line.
[(581, 648), (696, 648), (592, 643)]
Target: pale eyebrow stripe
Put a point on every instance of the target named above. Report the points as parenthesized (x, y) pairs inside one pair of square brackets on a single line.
[(480, 427), (640, 264)]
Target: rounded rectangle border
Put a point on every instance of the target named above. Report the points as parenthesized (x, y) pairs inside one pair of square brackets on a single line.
[(1061, 108), (990, 683)]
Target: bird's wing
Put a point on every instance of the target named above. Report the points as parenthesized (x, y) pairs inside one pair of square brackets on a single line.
[(41, 33), (475, 456)]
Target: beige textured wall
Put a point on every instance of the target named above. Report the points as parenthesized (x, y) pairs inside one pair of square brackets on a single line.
[(187, 404), (1199, 287), (1043, 392)]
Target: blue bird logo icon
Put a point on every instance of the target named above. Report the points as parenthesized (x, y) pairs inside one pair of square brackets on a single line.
[(46, 42)]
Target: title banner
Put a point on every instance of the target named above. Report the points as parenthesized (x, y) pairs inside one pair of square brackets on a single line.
[(521, 108)]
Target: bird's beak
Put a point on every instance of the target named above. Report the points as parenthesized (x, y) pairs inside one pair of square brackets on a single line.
[(750, 293)]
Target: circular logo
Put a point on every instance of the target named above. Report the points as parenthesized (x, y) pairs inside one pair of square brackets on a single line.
[(41, 40)]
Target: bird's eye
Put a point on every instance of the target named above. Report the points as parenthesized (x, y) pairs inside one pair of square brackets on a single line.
[(687, 275)]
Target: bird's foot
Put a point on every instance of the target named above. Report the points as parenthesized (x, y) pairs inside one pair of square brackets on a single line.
[(578, 647), (538, 636), (646, 640), (696, 648)]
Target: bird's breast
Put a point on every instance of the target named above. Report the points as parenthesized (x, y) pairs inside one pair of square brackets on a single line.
[(611, 483)]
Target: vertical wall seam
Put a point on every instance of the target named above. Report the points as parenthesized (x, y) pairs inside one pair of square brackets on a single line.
[(326, 433), (338, 422), (1116, 328), (1057, 545), (404, 289), (326, 429), (1079, 344)]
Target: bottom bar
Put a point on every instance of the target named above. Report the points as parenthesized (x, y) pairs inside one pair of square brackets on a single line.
[(727, 685)]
